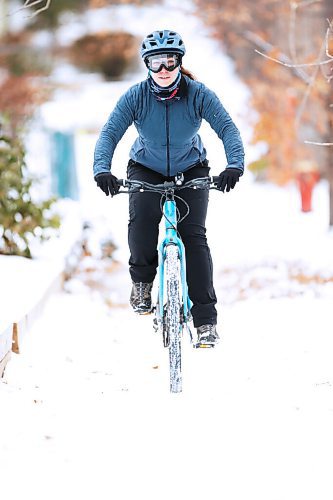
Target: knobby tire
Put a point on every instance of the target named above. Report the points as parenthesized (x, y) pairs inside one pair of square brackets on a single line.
[(173, 310)]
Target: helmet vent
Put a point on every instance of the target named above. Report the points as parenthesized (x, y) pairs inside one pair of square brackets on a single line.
[(161, 41)]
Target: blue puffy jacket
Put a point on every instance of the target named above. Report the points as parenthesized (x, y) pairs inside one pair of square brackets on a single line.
[(168, 140)]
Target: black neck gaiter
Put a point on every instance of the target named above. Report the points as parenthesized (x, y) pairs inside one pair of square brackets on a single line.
[(163, 93)]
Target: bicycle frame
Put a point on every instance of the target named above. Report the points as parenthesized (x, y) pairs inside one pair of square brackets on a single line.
[(172, 238), (172, 311)]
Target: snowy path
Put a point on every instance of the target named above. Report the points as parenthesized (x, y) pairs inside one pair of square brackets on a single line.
[(87, 413)]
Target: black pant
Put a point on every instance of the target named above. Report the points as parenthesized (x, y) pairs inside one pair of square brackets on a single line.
[(144, 218)]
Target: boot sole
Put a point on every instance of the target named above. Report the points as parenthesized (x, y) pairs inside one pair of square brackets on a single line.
[(143, 313)]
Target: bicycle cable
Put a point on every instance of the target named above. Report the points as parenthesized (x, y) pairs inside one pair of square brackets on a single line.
[(166, 218), (187, 209), (179, 219), (141, 188)]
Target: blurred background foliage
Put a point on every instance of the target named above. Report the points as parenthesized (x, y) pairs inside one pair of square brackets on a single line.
[(108, 53), (22, 219), (50, 17), (19, 57), (25, 83), (24, 66), (293, 104), (20, 96)]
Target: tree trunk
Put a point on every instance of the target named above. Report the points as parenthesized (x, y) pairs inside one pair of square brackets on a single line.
[(330, 153), (3, 17), (328, 6)]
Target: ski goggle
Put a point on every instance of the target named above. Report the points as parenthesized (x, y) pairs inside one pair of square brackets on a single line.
[(155, 62)]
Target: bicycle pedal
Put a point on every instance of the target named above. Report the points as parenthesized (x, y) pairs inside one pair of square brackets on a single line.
[(198, 345)]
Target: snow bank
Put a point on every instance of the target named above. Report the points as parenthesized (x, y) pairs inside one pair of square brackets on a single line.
[(24, 281)]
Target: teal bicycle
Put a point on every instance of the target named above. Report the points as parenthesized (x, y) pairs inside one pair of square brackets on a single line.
[(173, 305)]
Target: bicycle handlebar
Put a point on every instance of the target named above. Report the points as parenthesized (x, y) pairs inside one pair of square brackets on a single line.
[(198, 183)]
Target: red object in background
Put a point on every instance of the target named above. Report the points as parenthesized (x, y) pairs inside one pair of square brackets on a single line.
[(306, 182)]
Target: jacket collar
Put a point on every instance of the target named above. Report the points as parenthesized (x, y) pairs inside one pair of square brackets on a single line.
[(182, 92)]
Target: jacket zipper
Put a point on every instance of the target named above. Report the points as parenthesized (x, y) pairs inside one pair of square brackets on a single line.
[(167, 136)]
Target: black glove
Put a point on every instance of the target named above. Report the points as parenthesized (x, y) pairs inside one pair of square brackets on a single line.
[(228, 178), (107, 182)]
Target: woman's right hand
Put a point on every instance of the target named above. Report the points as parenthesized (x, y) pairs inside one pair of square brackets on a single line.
[(228, 179), (107, 182)]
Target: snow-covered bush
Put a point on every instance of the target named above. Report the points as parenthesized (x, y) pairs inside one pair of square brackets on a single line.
[(21, 219)]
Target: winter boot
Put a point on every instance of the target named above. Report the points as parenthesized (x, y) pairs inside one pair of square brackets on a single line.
[(140, 298), (207, 336)]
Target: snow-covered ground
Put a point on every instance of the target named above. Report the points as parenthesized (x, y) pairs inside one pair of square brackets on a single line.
[(85, 408)]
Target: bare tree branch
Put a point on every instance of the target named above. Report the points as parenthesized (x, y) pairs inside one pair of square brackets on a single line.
[(306, 3), (290, 65), (46, 6), (309, 87), (292, 31), (319, 143), (263, 44), (294, 6), (329, 34), (31, 3), (317, 65)]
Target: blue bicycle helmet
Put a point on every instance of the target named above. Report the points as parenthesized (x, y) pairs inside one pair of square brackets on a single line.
[(161, 41)]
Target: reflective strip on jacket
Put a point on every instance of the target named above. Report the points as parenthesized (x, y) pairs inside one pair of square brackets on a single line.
[(168, 140)]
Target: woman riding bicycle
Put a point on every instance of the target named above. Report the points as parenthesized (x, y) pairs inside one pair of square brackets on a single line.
[(167, 110)]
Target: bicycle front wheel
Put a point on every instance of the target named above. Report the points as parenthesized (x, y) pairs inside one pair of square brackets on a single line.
[(173, 310)]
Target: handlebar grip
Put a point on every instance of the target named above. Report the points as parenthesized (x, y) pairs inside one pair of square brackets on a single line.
[(215, 179), (122, 182)]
